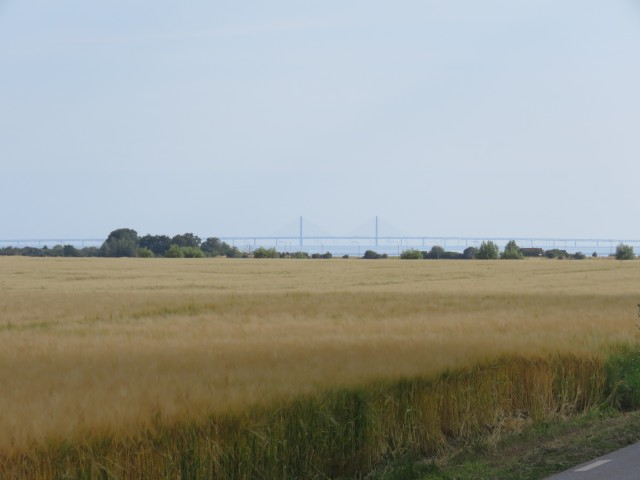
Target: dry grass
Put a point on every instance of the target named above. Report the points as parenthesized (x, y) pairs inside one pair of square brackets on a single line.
[(89, 346)]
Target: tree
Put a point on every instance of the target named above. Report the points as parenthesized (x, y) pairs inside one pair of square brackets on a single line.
[(470, 253), (158, 244), (512, 251), (436, 252), (371, 255), (214, 247), (121, 243), (70, 251), (625, 252), (411, 254), (488, 251), (186, 240)]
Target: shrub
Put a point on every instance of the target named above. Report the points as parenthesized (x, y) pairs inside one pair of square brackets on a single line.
[(345, 256), (623, 378), (556, 253), (174, 251), (488, 251), (145, 253), (579, 256), (532, 252), (625, 252), (262, 252), (370, 255), (512, 251), (192, 252), (411, 254)]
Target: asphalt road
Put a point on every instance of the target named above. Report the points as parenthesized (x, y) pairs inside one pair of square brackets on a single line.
[(622, 464)]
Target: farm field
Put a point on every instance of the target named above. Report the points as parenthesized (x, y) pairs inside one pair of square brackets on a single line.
[(93, 348)]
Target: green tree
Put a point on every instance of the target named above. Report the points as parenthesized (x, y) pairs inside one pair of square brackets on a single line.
[(158, 244), (70, 251), (436, 252), (470, 253), (625, 252), (411, 254), (121, 243), (512, 251), (186, 240), (214, 247), (488, 251)]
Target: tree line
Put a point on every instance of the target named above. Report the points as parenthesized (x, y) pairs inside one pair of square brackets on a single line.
[(125, 242), (489, 250)]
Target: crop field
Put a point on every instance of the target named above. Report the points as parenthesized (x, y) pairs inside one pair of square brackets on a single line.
[(101, 360)]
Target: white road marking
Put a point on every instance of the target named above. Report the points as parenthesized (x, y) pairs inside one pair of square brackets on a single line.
[(592, 465)]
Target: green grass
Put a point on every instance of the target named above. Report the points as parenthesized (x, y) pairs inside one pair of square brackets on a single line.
[(534, 454), (545, 447)]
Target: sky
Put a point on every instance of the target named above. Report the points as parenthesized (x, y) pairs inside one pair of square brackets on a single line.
[(495, 118)]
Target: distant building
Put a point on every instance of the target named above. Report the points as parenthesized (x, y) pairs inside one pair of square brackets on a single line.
[(532, 252)]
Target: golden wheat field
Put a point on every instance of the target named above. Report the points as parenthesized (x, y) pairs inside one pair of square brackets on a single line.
[(91, 346)]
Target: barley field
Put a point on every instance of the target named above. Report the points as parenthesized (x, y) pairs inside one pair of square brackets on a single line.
[(96, 349)]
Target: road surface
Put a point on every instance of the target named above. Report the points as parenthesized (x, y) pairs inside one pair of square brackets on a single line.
[(622, 464)]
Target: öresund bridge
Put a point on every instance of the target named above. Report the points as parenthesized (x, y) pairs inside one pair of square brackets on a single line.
[(357, 244)]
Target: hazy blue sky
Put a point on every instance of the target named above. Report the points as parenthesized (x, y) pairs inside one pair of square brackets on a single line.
[(443, 117)]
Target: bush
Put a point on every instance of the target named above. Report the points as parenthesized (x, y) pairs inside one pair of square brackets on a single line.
[(623, 378), (625, 252), (411, 254), (345, 256), (174, 251), (298, 255), (192, 252), (145, 253), (488, 251), (579, 256), (512, 251), (322, 255), (532, 252), (556, 253), (371, 255), (262, 252)]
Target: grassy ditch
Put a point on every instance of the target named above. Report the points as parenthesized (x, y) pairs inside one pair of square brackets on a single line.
[(344, 433)]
